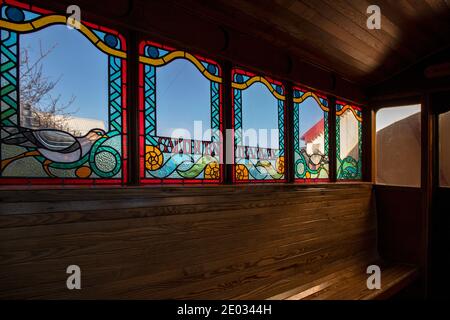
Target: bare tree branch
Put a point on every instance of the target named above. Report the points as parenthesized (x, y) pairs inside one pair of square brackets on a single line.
[(41, 108)]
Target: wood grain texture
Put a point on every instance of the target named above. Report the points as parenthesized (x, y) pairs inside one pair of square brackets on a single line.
[(334, 35), (218, 242), (400, 232), (350, 284)]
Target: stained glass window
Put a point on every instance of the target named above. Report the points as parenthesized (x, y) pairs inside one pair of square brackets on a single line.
[(180, 116), (348, 141), (62, 100), (258, 118), (310, 136)]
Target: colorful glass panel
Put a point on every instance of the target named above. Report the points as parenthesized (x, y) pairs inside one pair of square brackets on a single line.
[(310, 136), (172, 158), (46, 153), (260, 162), (348, 141)]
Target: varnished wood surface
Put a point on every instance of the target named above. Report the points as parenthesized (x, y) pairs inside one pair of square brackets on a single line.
[(334, 34), (400, 232), (351, 284), (181, 242)]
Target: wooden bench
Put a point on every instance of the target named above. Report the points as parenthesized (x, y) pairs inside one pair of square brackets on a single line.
[(350, 284), (217, 242)]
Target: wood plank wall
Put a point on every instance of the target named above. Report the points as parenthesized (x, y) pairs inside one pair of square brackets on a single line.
[(400, 234), (181, 242)]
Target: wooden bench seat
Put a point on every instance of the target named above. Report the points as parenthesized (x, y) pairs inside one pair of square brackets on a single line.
[(350, 284), (180, 242)]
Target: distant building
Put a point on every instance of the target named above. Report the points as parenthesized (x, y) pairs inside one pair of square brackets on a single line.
[(76, 126), (314, 138), (83, 125), (348, 136)]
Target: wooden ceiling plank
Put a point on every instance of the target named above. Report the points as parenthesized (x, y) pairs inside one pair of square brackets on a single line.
[(360, 36), (309, 35), (394, 17), (223, 13), (395, 11), (424, 14), (341, 21), (437, 5), (386, 35), (330, 33), (305, 30)]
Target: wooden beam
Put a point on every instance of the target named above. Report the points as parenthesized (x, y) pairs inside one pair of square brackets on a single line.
[(368, 144), (424, 75), (227, 121), (133, 108), (426, 183), (332, 139), (438, 70), (289, 143)]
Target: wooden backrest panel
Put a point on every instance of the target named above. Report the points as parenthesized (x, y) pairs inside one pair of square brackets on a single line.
[(181, 242), (400, 228)]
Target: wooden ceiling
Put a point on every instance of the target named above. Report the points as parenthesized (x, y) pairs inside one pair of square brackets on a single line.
[(333, 33)]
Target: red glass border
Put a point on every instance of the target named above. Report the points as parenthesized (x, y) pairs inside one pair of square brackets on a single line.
[(31, 181), (306, 90), (358, 108), (238, 70), (323, 96), (141, 111), (354, 106)]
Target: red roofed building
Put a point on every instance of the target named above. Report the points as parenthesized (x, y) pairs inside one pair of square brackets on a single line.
[(314, 138)]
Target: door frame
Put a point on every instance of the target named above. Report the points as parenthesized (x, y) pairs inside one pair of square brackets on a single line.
[(438, 264)]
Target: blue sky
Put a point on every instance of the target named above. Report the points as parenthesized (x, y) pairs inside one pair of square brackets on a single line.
[(388, 116), (182, 97), (81, 67), (309, 114), (260, 112)]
